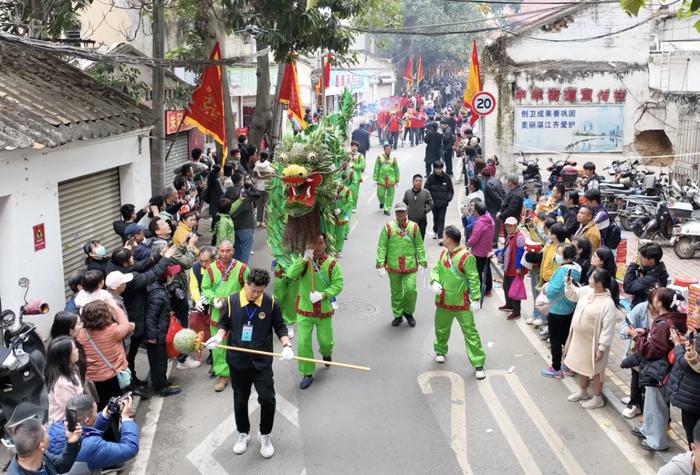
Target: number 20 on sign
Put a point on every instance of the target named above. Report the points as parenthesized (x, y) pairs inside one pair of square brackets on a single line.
[(483, 103)]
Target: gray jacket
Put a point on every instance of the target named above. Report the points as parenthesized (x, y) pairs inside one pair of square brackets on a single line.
[(681, 464), (419, 204)]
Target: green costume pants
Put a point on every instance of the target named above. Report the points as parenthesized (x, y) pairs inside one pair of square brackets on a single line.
[(339, 232), (285, 292), (386, 197), (324, 333), (219, 365), (355, 189), (403, 293), (443, 325)]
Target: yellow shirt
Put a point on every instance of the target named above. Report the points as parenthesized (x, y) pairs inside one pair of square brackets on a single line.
[(195, 294), (181, 233), (549, 265)]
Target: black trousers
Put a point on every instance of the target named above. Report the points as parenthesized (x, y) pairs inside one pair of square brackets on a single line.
[(158, 361), (484, 268), (497, 228), (636, 391), (241, 382), (106, 390), (428, 168), (447, 158), (394, 139), (439, 220), (422, 224), (514, 304), (136, 342), (689, 419), (559, 326)]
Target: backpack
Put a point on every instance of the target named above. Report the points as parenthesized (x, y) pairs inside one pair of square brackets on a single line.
[(614, 236)]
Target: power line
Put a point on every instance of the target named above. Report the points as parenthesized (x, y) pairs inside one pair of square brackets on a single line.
[(505, 2)]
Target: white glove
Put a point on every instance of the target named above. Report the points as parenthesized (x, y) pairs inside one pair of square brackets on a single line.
[(315, 296), (437, 288), (218, 303), (287, 354), (382, 272), (308, 255), (337, 211), (213, 342), (421, 269)]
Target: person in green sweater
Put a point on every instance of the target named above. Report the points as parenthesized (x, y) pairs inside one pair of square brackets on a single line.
[(226, 276), (358, 163), (223, 230), (386, 177), (320, 281), (343, 209), (455, 282), (400, 251), (285, 292)]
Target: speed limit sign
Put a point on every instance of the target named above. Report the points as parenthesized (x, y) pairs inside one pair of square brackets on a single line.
[(483, 103)]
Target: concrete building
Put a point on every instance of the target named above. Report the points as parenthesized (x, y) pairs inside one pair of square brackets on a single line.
[(71, 152)]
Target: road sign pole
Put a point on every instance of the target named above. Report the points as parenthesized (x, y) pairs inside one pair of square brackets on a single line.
[(482, 131)]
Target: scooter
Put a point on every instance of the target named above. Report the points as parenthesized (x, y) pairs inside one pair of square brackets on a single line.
[(532, 179), (22, 359), (563, 171), (686, 238), (660, 227)]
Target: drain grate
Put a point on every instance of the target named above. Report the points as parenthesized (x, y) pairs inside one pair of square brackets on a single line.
[(356, 309)]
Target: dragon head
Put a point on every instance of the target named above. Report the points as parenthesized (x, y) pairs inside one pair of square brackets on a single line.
[(301, 186)]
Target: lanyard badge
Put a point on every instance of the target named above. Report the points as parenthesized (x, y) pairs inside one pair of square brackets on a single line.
[(247, 332)]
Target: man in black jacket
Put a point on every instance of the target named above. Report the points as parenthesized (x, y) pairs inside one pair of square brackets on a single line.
[(31, 443), (439, 184), (513, 200), (361, 136), (433, 149), (448, 141), (493, 195), (645, 273), (249, 317)]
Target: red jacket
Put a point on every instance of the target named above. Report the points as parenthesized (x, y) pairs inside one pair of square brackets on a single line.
[(655, 344), (418, 120), (382, 119), (394, 124)]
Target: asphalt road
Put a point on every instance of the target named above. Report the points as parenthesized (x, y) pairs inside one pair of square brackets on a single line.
[(408, 415)]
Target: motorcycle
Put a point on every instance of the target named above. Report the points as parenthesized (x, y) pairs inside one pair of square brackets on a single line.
[(686, 238), (22, 359), (660, 227), (563, 171), (532, 179)]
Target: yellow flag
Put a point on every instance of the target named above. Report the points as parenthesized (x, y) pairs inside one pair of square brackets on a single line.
[(473, 83)]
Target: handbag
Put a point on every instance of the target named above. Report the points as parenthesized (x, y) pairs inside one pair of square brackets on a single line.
[(516, 291), (542, 302), (123, 377), (200, 322), (173, 328)]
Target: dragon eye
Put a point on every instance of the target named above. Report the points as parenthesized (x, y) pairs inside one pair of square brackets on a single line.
[(312, 157), (283, 157)]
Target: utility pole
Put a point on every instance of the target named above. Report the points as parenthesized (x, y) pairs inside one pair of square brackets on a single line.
[(158, 102)]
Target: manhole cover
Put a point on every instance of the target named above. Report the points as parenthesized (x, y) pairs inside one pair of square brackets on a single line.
[(356, 309)]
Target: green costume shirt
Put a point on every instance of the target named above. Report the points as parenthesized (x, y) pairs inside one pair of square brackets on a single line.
[(400, 251), (386, 171), (352, 178), (217, 282), (328, 279), (457, 274), (358, 163), (224, 229), (343, 202)]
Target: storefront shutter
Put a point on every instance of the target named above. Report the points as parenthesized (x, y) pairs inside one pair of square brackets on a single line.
[(178, 155)]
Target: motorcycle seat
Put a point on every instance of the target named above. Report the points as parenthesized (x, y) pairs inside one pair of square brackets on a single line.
[(611, 185)]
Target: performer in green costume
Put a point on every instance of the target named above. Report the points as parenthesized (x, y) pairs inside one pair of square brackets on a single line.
[(285, 292), (224, 277), (320, 281), (400, 251), (343, 209), (455, 281), (358, 163), (386, 176)]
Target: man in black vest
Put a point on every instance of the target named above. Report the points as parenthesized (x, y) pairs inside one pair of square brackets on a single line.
[(249, 318)]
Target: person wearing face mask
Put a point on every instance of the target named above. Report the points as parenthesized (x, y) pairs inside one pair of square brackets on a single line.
[(400, 252), (96, 255), (562, 309)]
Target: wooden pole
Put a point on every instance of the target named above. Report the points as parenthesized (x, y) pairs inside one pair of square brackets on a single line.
[(311, 273), (299, 358)]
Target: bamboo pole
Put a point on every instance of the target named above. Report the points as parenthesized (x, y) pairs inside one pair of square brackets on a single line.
[(299, 358)]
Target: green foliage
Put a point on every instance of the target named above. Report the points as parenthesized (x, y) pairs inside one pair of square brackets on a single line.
[(379, 14), (688, 8), (632, 7), (123, 78), (40, 19)]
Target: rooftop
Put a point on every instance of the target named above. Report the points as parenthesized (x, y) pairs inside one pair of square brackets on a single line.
[(45, 102)]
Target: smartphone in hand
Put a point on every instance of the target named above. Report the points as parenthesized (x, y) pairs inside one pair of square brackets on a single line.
[(71, 419)]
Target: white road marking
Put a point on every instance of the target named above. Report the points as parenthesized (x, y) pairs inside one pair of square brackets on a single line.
[(632, 453), (458, 416), (353, 227)]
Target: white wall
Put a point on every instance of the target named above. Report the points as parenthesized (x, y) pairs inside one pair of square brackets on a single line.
[(29, 196)]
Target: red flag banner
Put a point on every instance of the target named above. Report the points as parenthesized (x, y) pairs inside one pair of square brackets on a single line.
[(289, 93), (327, 71), (408, 73), (419, 71), (473, 84), (206, 108)]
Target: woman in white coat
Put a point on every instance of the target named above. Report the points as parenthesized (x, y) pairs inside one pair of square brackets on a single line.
[(591, 334)]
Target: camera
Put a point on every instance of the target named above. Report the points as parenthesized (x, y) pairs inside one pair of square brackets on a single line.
[(113, 404)]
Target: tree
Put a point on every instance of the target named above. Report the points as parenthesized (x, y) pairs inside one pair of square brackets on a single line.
[(40, 18), (688, 8)]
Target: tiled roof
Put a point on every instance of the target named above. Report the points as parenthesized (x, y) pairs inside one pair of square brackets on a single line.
[(45, 102)]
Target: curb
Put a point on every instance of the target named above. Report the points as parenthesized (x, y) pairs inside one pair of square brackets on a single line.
[(612, 401)]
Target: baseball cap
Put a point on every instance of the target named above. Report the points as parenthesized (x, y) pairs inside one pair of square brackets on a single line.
[(115, 279), (512, 221), (400, 206), (133, 228)]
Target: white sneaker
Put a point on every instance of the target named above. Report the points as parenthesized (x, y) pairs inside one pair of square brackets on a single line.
[(266, 448), (594, 403), (338, 255), (440, 358), (241, 444), (480, 373), (580, 395), (630, 412), (537, 322), (626, 400), (528, 321), (189, 363), (290, 331)]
